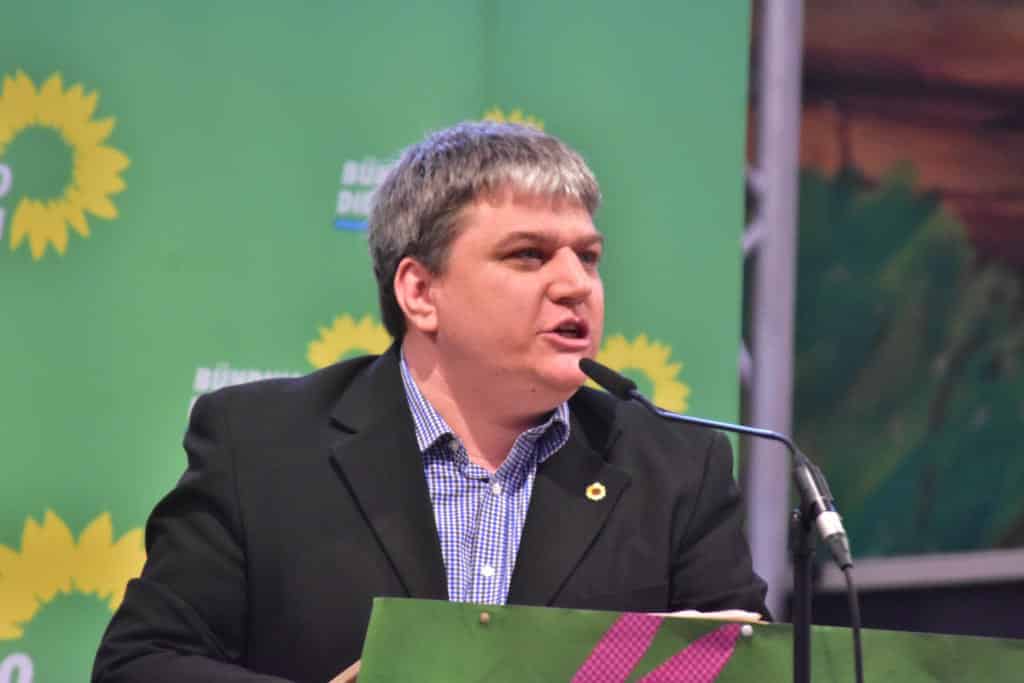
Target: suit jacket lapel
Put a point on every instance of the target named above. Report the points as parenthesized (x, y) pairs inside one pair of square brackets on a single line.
[(562, 520), (380, 463)]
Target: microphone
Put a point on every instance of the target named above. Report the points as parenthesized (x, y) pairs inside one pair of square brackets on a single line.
[(810, 482)]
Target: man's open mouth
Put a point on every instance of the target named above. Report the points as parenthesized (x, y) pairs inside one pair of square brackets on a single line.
[(573, 329)]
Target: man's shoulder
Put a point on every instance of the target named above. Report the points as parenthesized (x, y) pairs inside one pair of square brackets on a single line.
[(314, 392)]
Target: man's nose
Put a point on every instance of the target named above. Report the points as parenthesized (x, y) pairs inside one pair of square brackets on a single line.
[(571, 280)]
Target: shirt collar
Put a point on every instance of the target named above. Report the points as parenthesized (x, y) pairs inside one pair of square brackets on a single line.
[(431, 428)]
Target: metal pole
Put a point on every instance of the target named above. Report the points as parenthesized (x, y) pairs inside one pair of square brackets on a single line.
[(774, 288)]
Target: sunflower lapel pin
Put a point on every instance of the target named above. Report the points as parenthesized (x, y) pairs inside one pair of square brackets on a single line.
[(596, 492)]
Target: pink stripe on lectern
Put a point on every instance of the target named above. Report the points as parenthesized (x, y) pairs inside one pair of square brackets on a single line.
[(701, 661), (619, 649)]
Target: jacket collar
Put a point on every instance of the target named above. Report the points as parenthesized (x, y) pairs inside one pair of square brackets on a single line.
[(566, 514), (380, 463)]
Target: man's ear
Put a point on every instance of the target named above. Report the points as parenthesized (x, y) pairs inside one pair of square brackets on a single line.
[(412, 284)]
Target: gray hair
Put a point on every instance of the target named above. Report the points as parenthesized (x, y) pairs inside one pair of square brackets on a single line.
[(416, 207)]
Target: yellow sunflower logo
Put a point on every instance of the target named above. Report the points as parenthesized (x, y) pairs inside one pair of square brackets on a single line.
[(347, 335), (94, 167), (517, 116), (652, 359), (596, 492), (52, 563)]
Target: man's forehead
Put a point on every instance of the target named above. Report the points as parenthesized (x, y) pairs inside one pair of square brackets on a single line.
[(510, 214), (504, 224)]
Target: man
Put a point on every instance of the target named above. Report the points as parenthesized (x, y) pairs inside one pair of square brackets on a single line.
[(466, 463)]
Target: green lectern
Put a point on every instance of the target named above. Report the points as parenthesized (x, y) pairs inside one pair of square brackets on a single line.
[(427, 640)]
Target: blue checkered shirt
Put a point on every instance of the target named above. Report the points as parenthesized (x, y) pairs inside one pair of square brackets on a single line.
[(479, 515)]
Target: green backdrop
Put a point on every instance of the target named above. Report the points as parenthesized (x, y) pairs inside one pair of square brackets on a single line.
[(181, 192)]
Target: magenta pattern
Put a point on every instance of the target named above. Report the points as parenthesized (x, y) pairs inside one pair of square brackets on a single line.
[(624, 644), (619, 649)]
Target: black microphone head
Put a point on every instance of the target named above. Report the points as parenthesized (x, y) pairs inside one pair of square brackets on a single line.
[(614, 383)]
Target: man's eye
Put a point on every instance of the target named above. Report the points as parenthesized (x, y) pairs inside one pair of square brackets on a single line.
[(528, 255), (591, 257)]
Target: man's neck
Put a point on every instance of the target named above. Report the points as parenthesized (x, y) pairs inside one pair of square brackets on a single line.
[(486, 432)]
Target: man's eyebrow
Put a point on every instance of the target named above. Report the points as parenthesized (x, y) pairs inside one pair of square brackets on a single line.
[(545, 237)]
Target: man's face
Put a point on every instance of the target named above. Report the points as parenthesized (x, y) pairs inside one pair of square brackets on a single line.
[(520, 301)]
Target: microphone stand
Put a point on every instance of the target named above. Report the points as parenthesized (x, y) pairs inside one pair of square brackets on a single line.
[(801, 527), (816, 510), (802, 549)]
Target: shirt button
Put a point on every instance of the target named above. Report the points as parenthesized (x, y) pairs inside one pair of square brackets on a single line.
[(487, 570), (496, 488)]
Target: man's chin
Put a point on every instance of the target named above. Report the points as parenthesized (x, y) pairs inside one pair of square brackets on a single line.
[(564, 381)]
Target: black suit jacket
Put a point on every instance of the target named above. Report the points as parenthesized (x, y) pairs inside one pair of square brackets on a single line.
[(305, 498)]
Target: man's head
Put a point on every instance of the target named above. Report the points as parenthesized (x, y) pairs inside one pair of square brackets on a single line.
[(486, 258), (416, 208)]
